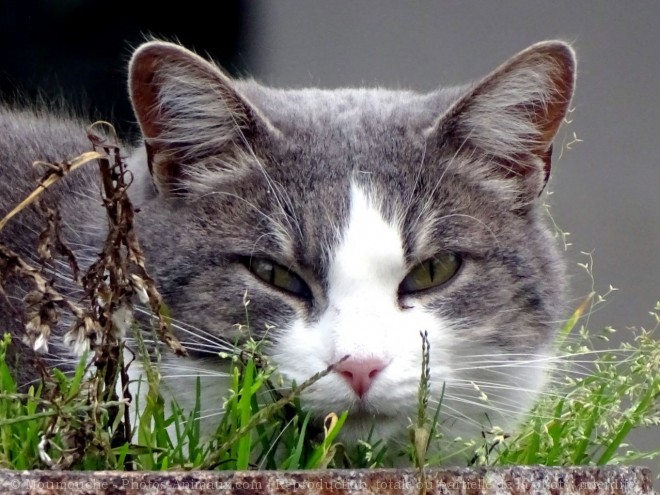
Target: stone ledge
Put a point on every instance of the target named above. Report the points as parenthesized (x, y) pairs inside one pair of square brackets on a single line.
[(536, 480)]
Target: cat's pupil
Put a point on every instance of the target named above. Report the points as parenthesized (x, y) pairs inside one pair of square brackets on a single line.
[(431, 273), (278, 276)]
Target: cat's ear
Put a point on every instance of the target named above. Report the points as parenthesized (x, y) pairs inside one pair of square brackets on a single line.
[(509, 119), (193, 119)]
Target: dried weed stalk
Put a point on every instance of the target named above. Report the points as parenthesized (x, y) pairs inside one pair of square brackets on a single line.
[(111, 285), (120, 272)]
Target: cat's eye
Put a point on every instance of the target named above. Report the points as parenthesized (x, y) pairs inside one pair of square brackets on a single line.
[(278, 276), (431, 273)]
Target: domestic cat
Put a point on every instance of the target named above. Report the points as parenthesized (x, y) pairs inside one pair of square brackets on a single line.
[(353, 219)]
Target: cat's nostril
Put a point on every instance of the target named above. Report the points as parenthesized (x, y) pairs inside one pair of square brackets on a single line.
[(360, 373)]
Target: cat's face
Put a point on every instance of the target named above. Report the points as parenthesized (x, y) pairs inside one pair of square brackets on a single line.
[(355, 220)]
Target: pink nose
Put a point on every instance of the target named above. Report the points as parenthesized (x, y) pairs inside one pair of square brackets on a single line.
[(360, 373)]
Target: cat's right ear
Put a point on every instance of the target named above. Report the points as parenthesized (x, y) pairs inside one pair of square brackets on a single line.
[(504, 124), (193, 120)]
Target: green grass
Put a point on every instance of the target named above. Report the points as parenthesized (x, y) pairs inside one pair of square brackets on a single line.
[(586, 419)]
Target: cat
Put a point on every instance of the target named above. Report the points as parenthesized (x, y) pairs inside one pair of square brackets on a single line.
[(352, 220)]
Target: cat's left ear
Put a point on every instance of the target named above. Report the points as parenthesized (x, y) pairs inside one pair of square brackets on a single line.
[(197, 125), (507, 121)]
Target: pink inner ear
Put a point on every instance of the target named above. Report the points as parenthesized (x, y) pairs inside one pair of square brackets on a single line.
[(563, 82), (512, 115), (191, 114), (547, 165), (144, 92)]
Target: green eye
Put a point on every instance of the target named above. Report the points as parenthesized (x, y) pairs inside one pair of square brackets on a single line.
[(430, 273), (276, 275)]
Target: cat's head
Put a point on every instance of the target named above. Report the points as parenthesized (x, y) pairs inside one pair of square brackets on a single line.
[(356, 219)]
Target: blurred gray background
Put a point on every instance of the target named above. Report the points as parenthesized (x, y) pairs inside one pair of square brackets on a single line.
[(606, 189)]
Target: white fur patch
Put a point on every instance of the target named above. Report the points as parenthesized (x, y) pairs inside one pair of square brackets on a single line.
[(364, 277), (363, 319)]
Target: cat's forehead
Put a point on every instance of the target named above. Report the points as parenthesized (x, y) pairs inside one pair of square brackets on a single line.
[(314, 110)]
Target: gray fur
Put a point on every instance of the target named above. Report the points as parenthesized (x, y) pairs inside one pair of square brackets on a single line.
[(243, 170)]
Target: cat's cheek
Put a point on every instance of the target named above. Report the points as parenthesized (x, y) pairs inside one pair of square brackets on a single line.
[(298, 353)]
